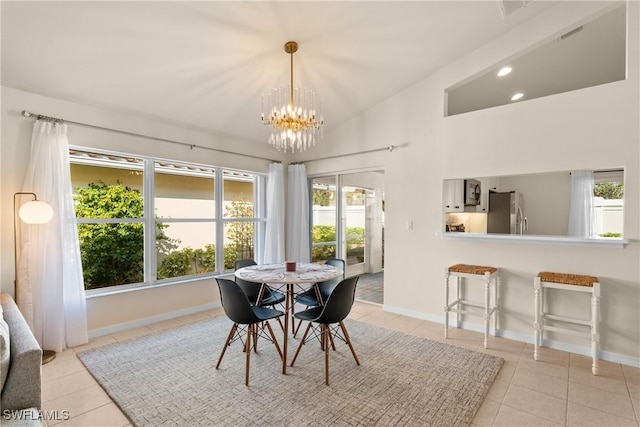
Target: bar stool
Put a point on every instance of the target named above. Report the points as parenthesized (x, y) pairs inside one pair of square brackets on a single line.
[(567, 282), (461, 306)]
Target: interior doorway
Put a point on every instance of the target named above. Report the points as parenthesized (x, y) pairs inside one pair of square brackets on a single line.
[(347, 221)]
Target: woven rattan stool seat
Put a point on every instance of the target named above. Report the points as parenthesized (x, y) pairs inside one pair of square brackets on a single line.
[(472, 269), (567, 279)]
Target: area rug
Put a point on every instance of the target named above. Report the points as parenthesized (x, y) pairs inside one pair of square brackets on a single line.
[(169, 379)]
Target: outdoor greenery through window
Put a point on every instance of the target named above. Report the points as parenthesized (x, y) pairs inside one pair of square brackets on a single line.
[(196, 220), (609, 203)]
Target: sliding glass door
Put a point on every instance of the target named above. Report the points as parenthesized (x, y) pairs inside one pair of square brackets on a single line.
[(347, 220)]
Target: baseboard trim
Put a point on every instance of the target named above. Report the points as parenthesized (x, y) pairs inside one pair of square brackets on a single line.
[(138, 323), (517, 336)]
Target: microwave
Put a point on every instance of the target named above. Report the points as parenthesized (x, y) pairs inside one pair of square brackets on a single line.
[(472, 192)]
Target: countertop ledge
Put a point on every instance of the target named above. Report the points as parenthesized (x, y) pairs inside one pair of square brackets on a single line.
[(556, 240)]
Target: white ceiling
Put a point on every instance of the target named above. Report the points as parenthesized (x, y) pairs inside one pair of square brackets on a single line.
[(203, 65)]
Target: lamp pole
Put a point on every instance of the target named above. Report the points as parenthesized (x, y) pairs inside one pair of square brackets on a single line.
[(40, 213)]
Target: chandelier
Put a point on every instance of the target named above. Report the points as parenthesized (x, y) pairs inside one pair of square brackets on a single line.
[(291, 112)]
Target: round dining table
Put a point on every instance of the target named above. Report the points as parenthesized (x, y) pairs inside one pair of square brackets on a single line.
[(276, 275)]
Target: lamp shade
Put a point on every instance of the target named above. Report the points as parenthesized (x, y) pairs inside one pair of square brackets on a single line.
[(35, 212)]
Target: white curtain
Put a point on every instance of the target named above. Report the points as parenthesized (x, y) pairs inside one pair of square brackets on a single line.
[(274, 233), (582, 215), (298, 215), (50, 287)]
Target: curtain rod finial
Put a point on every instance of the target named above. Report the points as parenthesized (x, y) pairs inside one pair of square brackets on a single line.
[(25, 113)]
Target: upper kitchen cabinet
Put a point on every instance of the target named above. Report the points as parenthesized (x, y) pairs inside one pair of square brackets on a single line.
[(453, 195)]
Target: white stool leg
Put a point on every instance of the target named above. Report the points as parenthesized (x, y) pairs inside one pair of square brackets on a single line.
[(595, 330), (537, 311), (496, 286), (458, 298), (446, 304), (487, 283)]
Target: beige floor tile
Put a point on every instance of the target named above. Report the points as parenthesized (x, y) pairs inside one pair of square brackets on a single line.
[(429, 330), (613, 403), (613, 384), (132, 333), (486, 413), (512, 417), (503, 344), (539, 404), (631, 374), (554, 368), (546, 354), (378, 318), (531, 379), (584, 416), (507, 371), (95, 343), (364, 308), (60, 367), (604, 367), (107, 415), (405, 324), (77, 403), (195, 317), (68, 384), (497, 391), (165, 324), (63, 355)]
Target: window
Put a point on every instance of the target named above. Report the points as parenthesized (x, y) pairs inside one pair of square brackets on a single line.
[(144, 221), (609, 203)]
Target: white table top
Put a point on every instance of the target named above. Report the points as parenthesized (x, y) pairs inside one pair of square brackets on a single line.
[(276, 273)]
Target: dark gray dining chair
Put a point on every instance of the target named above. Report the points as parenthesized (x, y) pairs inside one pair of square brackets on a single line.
[(333, 312), (247, 318)]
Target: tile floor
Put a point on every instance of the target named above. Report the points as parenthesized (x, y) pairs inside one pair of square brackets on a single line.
[(371, 288), (558, 390)]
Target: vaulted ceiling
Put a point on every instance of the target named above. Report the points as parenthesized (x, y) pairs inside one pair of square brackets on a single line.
[(203, 65)]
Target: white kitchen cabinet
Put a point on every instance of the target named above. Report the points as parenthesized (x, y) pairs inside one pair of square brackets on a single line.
[(454, 195), (486, 184)]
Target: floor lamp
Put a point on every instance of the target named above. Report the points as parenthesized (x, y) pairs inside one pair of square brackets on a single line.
[(32, 212)]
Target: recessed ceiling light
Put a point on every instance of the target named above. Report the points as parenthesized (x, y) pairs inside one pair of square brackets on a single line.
[(517, 96), (504, 71)]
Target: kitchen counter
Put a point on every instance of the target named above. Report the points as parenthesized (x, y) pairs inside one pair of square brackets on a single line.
[(526, 238)]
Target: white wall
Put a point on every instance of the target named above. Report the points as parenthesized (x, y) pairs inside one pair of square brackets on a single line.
[(593, 128), (133, 307)]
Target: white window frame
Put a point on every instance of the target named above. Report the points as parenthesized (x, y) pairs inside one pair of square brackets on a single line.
[(149, 220)]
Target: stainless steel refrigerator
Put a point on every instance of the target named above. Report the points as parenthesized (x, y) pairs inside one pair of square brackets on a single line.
[(506, 213)]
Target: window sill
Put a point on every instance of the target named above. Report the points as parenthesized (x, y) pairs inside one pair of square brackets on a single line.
[(558, 240), (121, 289)]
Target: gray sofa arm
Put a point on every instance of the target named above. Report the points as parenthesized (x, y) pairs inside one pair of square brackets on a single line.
[(22, 389)]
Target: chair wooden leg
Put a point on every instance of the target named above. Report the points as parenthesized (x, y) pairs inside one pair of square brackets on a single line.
[(226, 343), (304, 337), (325, 335), (248, 351), (346, 337), (275, 341), (255, 337)]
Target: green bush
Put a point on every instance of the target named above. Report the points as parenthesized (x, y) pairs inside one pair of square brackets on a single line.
[(611, 235), (112, 254)]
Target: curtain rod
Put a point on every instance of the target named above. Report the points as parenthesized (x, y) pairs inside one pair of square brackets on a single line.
[(29, 114), (389, 148)]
